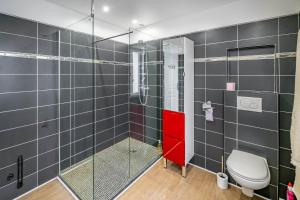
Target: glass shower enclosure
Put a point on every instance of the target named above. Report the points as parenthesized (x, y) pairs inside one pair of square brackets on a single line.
[(109, 109)]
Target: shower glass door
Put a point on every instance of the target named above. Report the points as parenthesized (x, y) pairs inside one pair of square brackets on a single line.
[(76, 109), (108, 134), (112, 155), (145, 101)]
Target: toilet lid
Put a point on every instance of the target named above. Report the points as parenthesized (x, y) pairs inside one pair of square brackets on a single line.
[(247, 165)]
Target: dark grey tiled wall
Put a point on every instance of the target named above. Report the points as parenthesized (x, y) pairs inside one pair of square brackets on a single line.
[(29, 101), (210, 78), (145, 120), (254, 132)]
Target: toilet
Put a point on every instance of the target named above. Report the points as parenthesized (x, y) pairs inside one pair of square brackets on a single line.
[(248, 170)]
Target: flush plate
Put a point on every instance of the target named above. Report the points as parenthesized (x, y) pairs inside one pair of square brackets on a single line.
[(249, 104)]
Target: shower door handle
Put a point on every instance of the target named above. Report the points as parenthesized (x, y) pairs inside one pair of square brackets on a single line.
[(20, 172)]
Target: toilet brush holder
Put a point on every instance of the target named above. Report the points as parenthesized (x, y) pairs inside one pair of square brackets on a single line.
[(222, 178), (222, 181)]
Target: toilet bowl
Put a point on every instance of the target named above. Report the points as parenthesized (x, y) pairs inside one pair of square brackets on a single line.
[(248, 170)]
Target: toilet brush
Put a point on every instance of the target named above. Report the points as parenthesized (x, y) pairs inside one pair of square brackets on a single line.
[(222, 178)]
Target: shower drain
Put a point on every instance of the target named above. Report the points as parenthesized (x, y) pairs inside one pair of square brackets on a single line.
[(132, 150)]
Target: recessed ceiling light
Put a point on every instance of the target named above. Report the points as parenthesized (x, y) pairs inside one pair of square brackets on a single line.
[(105, 9), (134, 21)]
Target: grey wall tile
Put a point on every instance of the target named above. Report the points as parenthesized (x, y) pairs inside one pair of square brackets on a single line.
[(29, 167), (104, 136), (198, 160), (287, 66), (219, 49), (11, 191), (221, 34), (48, 159), (285, 158), (265, 120), (216, 68), (270, 40), (286, 175), (48, 128), (199, 121), (106, 113), (258, 136), (214, 153), (47, 97), (48, 144), (287, 84), (10, 156), (199, 51), (259, 83), (81, 38), (230, 130), (198, 38), (284, 139), (124, 128), (288, 24), (256, 67), (213, 166), (17, 83), (199, 148), (288, 43), (17, 43), (230, 144), (121, 47), (17, 118), (17, 136), (9, 65), (258, 29), (106, 44), (83, 145), (13, 101), (48, 174), (214, 139), (216, 82), (104, 125), (51, 33), (18, 26), (269, 192), (83, 132)]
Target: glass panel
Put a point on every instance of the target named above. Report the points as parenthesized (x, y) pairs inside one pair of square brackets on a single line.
[(173, 50), (110, 124), (77, 110), (111, 159), (145, 106)]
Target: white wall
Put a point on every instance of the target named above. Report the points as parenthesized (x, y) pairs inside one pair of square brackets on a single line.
[(237, 12)]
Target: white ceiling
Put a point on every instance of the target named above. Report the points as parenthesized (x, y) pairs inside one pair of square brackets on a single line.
[(147, 12), (161, 18)]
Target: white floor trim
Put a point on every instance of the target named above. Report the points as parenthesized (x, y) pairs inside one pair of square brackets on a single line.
[(19, 197), (228, 183), (67, 188), (131, 184), (73, 168)]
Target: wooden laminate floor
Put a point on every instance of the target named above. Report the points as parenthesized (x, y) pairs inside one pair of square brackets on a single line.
[(158, 184), (51, 191)]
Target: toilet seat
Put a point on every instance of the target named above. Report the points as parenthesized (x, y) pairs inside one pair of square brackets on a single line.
[(248, 170), (248, 166), (246, 178)]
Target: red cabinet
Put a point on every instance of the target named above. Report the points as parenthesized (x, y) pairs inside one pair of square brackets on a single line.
[(173, 137)]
